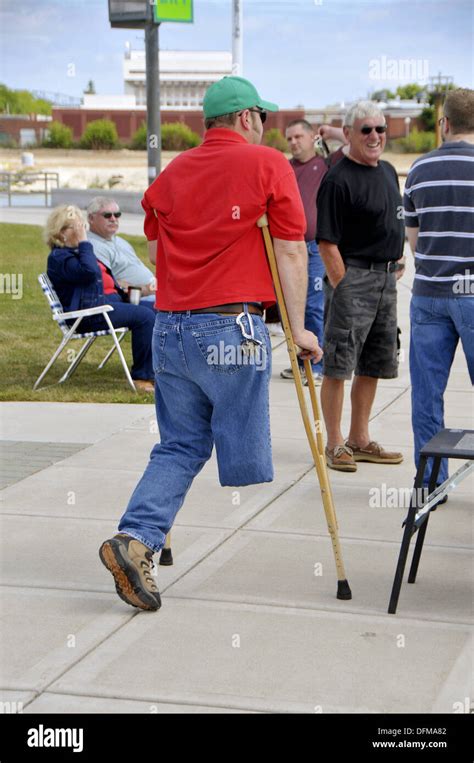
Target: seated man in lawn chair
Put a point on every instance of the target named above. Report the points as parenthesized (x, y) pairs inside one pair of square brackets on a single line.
[(117, 254)]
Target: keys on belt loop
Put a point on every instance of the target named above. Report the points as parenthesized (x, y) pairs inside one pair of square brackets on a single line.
[(250, 341)]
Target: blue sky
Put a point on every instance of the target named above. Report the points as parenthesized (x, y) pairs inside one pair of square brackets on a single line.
[(311, 52)]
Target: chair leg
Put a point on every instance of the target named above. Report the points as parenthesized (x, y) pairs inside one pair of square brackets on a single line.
[(112, 349), (57, 353), (120, 353), (82, 352), (166, 557), (422, 531), (402, 558)]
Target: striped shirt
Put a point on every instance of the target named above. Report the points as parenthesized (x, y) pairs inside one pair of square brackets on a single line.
[(439, 200)]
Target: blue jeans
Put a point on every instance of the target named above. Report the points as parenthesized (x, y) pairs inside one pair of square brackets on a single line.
[(314, 313), (437, 324), (140, 320), (206, 392)]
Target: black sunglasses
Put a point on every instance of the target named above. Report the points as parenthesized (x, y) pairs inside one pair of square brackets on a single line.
[(380, 129), (108, 215), (262, 112)]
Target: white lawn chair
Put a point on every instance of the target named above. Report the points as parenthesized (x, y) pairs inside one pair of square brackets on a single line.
[(70, 333)]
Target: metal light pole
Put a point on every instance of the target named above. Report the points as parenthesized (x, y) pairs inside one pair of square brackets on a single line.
[(139, 14), (153, 97), (237, 45)]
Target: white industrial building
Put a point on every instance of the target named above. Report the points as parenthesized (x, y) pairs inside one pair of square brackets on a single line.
[(184, 76)]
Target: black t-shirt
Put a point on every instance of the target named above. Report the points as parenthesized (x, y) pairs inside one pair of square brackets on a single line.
[(360, 209)]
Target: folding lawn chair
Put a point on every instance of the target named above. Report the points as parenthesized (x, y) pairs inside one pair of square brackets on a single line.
[(71, 332)]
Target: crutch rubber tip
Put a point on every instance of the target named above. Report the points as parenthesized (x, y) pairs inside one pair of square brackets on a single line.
[(166, 557), (343, 590)]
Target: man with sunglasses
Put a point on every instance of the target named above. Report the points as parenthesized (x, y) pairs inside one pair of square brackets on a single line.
[(115, 252), (360, 232), (214, 281)]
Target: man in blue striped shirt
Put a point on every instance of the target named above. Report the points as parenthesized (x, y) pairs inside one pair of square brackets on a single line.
[(439, 214)]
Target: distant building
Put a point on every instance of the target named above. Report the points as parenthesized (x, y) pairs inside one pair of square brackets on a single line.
[(184, 79), (185, 76)]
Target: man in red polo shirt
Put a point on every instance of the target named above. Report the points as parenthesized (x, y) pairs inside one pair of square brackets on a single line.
[(211, 349)]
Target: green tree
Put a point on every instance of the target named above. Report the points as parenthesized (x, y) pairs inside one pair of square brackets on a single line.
[(100, 134), (382, 95), (427, 118), (22, 102), (90, 89), (409, 92)]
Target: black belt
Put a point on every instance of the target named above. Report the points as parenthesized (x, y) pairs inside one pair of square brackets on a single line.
[(356, 262), (236, 307)]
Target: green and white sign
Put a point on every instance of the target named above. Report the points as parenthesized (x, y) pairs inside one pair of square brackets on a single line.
[(173, 10)]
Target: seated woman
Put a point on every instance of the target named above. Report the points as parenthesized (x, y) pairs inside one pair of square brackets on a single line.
[(82, 282)]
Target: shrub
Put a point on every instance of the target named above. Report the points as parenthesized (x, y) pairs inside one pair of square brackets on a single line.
[(100, 134), (58, 136), (138, 142), (416, 143), (176, 136), (7, 141), (275, 139), (428, 118)]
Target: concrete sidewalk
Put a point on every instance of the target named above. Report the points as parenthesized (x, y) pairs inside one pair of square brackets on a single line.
[(250, 621)]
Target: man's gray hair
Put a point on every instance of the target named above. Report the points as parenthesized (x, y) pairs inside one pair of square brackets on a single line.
[(98, 203), (362, 110)]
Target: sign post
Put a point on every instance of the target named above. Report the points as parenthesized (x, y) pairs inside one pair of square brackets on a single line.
[(148, 15), (153, 121)]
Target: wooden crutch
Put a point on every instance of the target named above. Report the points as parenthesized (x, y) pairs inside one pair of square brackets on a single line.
[(315, 441), (166, 557)]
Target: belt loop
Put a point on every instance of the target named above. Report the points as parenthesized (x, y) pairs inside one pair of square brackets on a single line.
[(188, 313)]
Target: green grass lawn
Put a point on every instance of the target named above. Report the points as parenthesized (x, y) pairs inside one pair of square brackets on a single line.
[(29, 335)]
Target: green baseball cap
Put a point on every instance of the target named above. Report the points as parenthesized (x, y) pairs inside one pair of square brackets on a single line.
[(231, 94)]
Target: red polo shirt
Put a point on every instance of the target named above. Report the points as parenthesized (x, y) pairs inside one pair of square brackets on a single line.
[(107, 280), (202, 210)]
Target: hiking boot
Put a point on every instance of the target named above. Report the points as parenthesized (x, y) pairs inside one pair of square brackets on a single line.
[(340, 459), (130, 563), (375, 454)]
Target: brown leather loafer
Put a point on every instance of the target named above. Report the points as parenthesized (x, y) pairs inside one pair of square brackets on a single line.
[(340, 458), (375, 454)]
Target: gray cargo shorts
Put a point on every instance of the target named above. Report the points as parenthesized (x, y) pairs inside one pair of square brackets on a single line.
[(360, 325)]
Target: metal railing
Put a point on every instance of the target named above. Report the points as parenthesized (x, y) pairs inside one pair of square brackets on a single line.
[(11, 183)]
